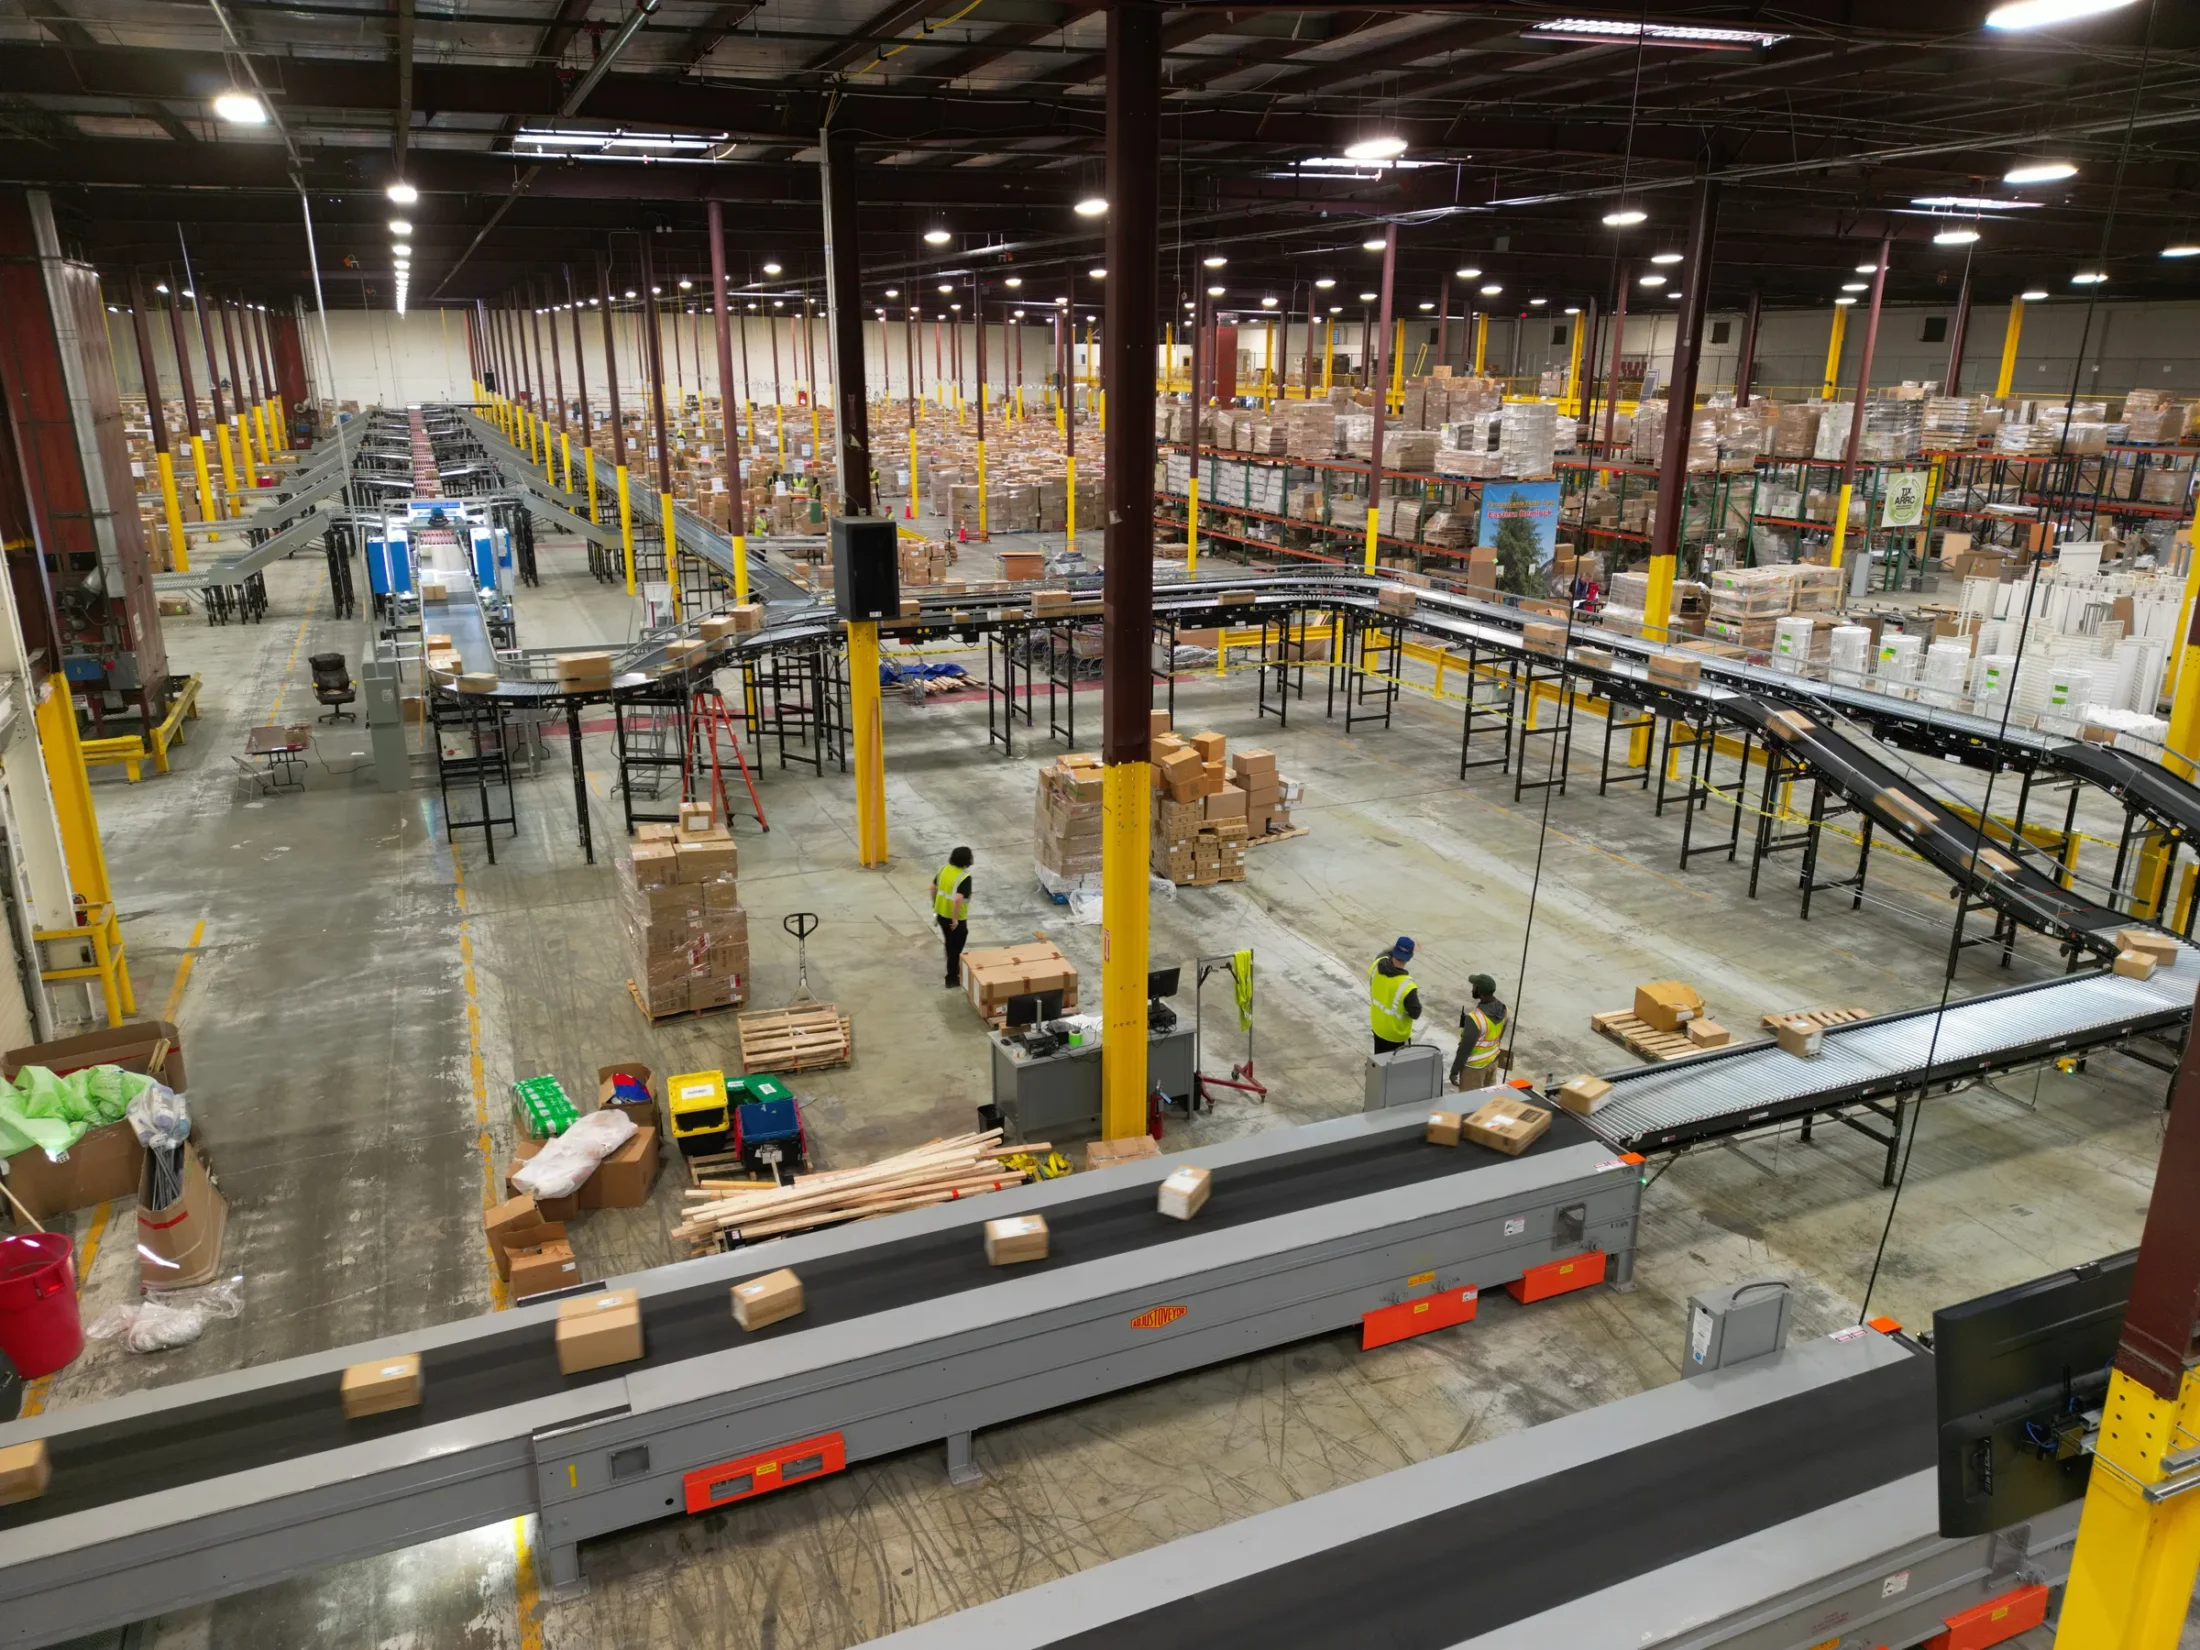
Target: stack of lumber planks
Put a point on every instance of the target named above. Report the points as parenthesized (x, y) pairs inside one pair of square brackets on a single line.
[(940, 1171)]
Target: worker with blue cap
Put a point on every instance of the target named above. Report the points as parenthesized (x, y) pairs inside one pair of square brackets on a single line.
[(1393, 1000)]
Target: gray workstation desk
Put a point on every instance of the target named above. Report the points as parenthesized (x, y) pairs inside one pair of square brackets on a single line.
[(1059, 1093)]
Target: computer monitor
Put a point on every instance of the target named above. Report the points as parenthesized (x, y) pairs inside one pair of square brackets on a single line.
[(2013, 1371), (1161, 982), (1034, 1007)]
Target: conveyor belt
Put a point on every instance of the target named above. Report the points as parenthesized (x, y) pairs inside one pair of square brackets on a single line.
[(179, 1446), (1499, 1559), (1730, 1090)]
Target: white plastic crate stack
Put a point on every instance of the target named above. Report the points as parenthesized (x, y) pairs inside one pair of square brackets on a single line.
[(1833, 429), (1470, 446), (1900, 656), (1991, 681), (1947, 674), (1848, 655), (2069, 692), (1528, 438), (1791, 640), (1176, 474)]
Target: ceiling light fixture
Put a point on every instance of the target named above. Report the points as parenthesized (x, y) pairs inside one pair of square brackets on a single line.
[(1974, 203), (1650, 280), (1605, 30), (1336, 309), (1092, 206), (1325, 283), (1270, 303), (1492, 290), (1373, 246), (162, 290), (1375, 148), (2038, 295), (1367, 297), (937, 237), (631, 293), (404, 194), (1856, 286), (2183, 249), (1573, 309), (1214, 261), (1098, 272), (2088, 277), (1955, 237), (1013, 282), (398, 226), (2041, 14), (771, 269), (1625, 217), (893, 292), (944, 287), (1867, 269), (1428, 306), (2045, 171), (1214, 292), (1665, 258), (1534, 303), (1844, 302), (686, 285), (241, 109)]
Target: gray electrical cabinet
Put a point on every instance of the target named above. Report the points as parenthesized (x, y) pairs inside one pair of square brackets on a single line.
[(1726, 1326), (1409, 1076)]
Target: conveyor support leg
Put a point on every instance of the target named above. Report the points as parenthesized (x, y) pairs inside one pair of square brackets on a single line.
[(962, 1464)]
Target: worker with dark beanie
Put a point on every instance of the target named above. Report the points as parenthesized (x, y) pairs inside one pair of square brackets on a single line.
[(1481, 1035)]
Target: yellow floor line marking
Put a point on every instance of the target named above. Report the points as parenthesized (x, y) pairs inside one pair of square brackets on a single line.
[(477, 1071), (183, 972), (528, 1597), (35, 1395), (290, 664)]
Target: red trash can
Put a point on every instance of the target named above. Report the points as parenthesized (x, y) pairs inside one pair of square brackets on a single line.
[(39, 1328)]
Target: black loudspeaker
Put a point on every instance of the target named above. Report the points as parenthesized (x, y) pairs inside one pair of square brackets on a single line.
[(866, 568)]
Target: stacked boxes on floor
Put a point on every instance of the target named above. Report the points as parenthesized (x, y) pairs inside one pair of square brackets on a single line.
[(991, 977), (1266, 809), (1199, 817), (1066, 829), (680, 902), (924, 561)]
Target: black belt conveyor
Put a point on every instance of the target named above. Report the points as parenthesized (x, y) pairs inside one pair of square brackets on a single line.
[(175, 1447), (1502, 1558)]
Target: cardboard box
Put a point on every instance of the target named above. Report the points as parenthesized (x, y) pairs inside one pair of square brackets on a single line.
[(1676, 669), (2161, 947), (1105, 1154), (1666, 1005), (694, 816), (747, 617), (1509, 1124), (1906, 808), (1157, 723), (1247, 764), (539, 1267), (2135, 965), (702, 861), (654, 865), (767, 1299), (1185, 1192), (1544, 638), (1802, 1038), (1443, 1128), (383, 1385), (584, 670), (128, 1046), (477, 681), (103, 1165), (1016, 1238), (599, 1329), (24, 1472), (180, 1244), (502, 1244), (1582, 1095), (1707, 1034), (1788, 725), (606, 1092), (624, 1179), (514, 1214), (1211, 746), (1227, 803)]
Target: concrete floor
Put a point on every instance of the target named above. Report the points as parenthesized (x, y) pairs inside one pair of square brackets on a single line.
[(365, 994)]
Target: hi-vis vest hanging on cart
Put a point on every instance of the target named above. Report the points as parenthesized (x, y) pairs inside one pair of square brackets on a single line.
[(945, 901), (1384, 993)]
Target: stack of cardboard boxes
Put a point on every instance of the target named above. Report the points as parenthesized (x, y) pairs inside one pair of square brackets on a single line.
[(924, 561), (1066, 831), (1200, 818), (680, 903), (993, 976)]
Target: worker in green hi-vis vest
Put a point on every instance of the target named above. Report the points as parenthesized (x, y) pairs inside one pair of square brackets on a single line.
[(1393, 1000), (951, 905)]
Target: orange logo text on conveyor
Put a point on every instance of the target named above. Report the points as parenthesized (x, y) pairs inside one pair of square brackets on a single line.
[(1158, 1317)]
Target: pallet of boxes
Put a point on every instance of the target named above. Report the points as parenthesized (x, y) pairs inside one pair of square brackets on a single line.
[(680, 905), (1066, 826)]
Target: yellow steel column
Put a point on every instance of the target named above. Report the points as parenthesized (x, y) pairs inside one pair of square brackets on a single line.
[(912, 507), (1374, 529), (626, 529), (259, 421), (984, 525), (669, 530), (1481, 341), (1125, 847), (779, 418), (1841, 518), (1268, 368), (565, 441), (229, 472), (740, 569), (1572, 401), (72, 794), (1657, 607), (210, 504), (589, 469), (1397, 388), (1833, 352), (1329, 354), (1191, 523), (2184, 669), (179, 551), (2131, 1575), (2009, 346), (870, 743), (1069, 519)]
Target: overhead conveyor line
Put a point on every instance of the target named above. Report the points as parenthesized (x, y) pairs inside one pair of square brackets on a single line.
[(194, 1491)]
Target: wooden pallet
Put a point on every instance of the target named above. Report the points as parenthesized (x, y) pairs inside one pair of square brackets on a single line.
[(635, 991), (796, 1039), (1276, 836), (1817, 1016), (1639, 1037)]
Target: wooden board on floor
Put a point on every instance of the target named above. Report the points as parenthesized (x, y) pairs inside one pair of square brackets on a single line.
[(1817, 1016), (1637, 1037), (1276, 836), (796, 1039)]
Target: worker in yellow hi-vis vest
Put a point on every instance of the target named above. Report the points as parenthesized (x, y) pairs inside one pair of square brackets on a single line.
[(1393, 1000), (1481, 1036), (951, 904)]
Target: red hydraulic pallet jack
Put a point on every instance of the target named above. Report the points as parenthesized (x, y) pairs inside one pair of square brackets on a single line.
[(1238, 967)]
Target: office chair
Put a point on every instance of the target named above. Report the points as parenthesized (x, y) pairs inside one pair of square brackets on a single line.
[(332, 685)]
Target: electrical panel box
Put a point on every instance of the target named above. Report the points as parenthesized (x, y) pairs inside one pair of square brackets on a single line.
[(1727, 1326), (1409, 1076)]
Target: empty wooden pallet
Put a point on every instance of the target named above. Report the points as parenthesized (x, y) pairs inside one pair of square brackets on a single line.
[(1817, 1016), (1639, 1037), (796, 1039)]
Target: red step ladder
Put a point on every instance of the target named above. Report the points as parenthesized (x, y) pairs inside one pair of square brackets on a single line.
[(709, 720)]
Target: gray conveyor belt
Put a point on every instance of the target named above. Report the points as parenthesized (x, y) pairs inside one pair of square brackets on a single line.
[(178, 1446), (1486, 1563), (1725, 1091)]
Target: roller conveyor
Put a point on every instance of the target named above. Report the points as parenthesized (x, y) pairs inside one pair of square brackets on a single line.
[(194, 1491), (1732, 1090), (1783, 1502)]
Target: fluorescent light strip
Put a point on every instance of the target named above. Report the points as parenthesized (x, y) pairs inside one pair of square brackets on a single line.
[(1975, 203), (1653, 34)]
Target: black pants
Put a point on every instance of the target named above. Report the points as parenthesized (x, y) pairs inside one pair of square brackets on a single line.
[(956, 935), (1383, 1045)]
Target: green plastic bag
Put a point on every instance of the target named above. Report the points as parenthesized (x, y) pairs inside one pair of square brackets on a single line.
[(54, 1113)]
